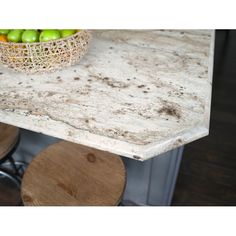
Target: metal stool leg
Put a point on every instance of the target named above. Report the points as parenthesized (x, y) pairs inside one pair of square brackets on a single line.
[(17, 168), (12, 162), (14, 181), (8, 163)]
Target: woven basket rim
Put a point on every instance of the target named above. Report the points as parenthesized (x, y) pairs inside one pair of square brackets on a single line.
[(40, 43)]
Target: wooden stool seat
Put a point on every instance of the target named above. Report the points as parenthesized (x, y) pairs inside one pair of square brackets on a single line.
[(67, 174), (8, 138)]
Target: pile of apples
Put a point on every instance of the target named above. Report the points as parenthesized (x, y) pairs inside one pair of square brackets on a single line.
[(34, 35)]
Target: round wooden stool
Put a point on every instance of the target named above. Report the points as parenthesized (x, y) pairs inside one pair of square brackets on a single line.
[(9, 180), (67, 174), (9, 136)]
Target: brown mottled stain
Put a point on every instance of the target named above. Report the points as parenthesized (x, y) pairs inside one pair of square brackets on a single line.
[(119, 112), (76, 78), (91, 157), (110, 82), (144, 115), (177, 143), (58, 77), (170, 110), (141, 86), (136, 157), (49, 94), (37, 113), (84, 92), (127, 104)]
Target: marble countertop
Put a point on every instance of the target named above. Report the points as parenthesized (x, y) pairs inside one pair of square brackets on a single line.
[(135, 93)]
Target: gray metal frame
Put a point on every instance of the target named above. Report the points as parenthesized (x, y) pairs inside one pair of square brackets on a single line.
[(152, 182)]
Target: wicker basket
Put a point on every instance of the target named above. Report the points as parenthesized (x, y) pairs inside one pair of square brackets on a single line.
[(49, 56)]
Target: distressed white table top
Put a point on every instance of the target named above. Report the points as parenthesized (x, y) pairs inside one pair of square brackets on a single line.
[(136, 93)]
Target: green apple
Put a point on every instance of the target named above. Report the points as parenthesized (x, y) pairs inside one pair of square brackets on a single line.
[(4, 31), (67, 32), (48, 35), (15, 35), (30, 36)]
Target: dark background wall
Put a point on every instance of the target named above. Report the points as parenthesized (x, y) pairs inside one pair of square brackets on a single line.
[(208, 170)]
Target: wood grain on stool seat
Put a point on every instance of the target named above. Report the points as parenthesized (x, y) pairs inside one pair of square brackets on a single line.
[(8, 138), (68, 174)]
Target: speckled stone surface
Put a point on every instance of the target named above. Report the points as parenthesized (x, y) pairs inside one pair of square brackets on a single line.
[(136, 93)]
